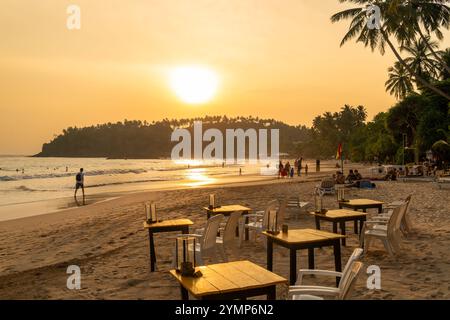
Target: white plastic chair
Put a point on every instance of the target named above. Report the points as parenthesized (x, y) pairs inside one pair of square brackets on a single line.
[(257, 221), (388, 233), (326, 186), (341, 293), (356, 256), (206, 244), (405, 226), (227, 238), (296, 203)]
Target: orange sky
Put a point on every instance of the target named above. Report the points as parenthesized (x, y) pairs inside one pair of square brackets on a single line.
[(277, 59)]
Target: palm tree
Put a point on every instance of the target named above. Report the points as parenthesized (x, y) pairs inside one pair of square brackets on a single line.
[(445, 73), (416, 15), (393, 23), (421, 59), (399, 83)]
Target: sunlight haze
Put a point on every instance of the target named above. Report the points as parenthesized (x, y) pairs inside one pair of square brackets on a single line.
[(274, 59)]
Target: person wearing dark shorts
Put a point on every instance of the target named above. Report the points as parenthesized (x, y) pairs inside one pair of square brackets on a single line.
[(79, 184)]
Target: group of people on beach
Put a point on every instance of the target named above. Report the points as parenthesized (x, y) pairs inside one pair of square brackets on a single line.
[(353, 176), (288, 171)]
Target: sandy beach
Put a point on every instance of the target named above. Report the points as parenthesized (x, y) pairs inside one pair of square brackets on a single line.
[(107, 241)]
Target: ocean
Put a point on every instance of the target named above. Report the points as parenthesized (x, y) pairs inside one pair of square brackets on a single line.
[(28, 179)]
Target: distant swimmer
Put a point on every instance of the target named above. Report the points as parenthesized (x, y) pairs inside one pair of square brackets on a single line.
[(79, 184), (67, 169)]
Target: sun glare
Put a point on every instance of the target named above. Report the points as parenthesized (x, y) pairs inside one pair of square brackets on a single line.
[(194, 84)]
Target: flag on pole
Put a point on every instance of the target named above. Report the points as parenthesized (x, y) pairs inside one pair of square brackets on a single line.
[(339, 152)]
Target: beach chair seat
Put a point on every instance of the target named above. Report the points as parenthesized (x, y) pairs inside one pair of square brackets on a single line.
[(386, 232), (296, 203), (355, 256), (327, 186), (257, 222), (342, 292), (207, 241)]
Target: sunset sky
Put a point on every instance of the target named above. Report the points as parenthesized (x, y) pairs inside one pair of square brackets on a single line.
[(277, 59)]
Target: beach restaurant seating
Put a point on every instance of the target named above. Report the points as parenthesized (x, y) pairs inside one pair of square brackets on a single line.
[(340, 293), (326, 186), (206, 244), (296, 203), (258, 221), (386, 232), (405, 225), (227, 238), (356, 256)]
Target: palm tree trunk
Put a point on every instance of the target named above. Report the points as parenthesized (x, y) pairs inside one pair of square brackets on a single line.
[(417, 77), (437, 57)]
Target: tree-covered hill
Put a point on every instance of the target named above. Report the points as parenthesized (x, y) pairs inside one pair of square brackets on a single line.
[(137, 139)]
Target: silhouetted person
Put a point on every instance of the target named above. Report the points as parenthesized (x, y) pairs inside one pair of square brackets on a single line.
[(79, 184), (306, 169)]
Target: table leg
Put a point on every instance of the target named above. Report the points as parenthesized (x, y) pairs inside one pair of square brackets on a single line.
[(184, 293), (364, 210), (356, 226), (337, 259), (246, 229), (317, 222), (272, 293), (311, 258), (208, 214), (361, 224), (185, 230), (380, 208), (340, 205), (293, 268), (152, 251), (334, 227), (269, 254), (342, 226)]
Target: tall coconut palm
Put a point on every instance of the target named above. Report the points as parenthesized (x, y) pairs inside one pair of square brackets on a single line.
[(430, 15), (445, 74), (421, 60), (392, 23), (399, 83)]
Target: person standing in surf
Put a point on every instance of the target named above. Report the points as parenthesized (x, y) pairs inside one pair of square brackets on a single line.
[(79, 184)]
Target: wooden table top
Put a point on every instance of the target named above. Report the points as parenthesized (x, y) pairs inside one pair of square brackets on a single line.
[(228, 277), (362, 202), (304, 236), (340, 213), (227, 209), (168, 223)]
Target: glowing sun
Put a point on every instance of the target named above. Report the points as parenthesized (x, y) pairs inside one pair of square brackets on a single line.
[(194, 84)]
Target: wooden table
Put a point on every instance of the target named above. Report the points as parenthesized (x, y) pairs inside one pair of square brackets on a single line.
[(341, 216), (227, 210), (181, 225), (227, 281), (298, 239), (362, 204)]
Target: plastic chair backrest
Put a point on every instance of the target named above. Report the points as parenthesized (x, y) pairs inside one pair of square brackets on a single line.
[(271, 206), (229, 233), (392, 223), (327, 184), (210, 233), (345, 287), (281, 211), (356, 255)]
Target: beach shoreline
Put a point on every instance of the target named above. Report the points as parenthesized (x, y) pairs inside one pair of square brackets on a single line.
[(109, 244)]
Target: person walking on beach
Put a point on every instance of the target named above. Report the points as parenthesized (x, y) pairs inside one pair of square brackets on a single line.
[(299, 166), (79, 184)]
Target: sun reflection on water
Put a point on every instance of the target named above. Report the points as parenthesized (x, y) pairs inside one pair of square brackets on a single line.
[(197, 177)]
